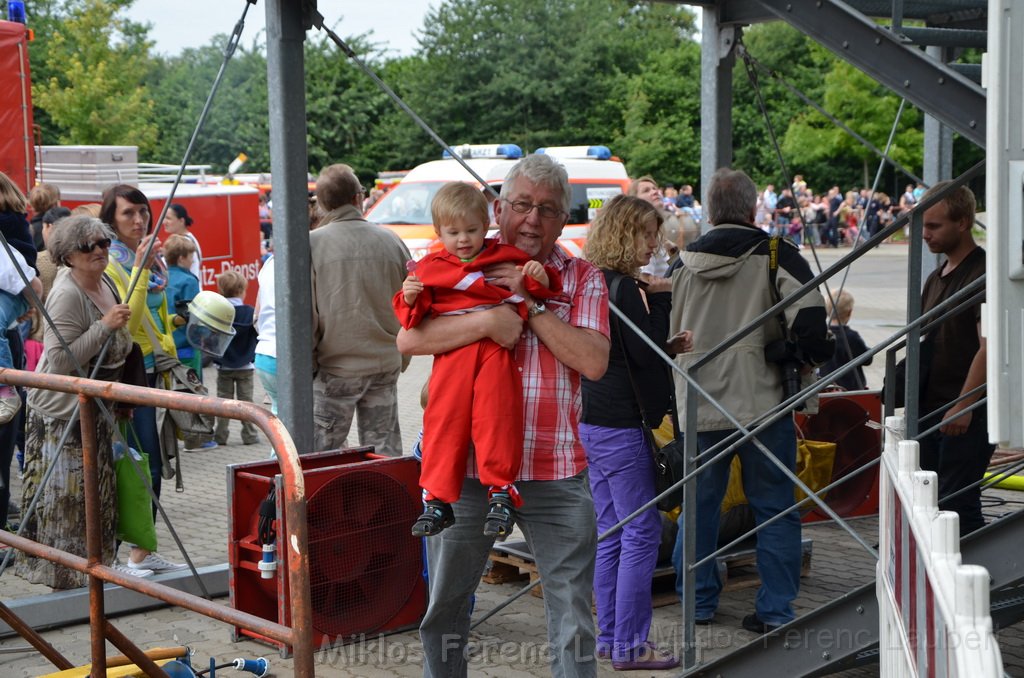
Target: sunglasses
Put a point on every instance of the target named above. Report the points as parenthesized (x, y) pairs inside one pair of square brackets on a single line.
[(87, 248)]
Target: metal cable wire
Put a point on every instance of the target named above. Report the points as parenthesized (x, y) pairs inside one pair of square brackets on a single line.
[(749, 62), (318, 22), (884, 155), (229, 50)]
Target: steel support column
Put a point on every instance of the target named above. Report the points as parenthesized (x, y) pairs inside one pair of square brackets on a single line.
[(938, 160), (931, 86), (286, 96), (717, 58)]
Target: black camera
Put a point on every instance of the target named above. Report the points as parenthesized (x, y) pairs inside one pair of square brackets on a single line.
[(788, 356), (181, 308)]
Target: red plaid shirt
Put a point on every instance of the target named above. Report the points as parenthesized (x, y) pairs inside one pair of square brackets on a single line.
[(552, 398)]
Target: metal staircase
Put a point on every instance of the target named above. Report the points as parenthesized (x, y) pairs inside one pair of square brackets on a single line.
[(851, 622), (892, 54), (922, 63)]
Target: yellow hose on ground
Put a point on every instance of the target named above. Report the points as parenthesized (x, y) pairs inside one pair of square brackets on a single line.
[(1007, 482)]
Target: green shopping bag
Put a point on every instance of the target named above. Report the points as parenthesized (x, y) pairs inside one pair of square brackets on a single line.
[(134, 509)]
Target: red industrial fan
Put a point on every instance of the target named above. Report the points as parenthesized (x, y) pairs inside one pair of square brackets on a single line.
[(366, 569), (850, 420)]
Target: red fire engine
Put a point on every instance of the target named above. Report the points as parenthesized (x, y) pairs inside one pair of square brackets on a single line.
[(226, 218)]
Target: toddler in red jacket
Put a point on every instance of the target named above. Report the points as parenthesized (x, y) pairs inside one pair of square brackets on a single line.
[(475, 394)]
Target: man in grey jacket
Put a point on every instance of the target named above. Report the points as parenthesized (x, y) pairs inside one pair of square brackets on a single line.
[(356, 268), (724, 283)]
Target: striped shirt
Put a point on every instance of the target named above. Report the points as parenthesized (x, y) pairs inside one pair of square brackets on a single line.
[(552, 396)]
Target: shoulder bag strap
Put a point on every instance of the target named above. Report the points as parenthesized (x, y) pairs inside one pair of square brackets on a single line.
[(613, 291), (773, 282), (150, 326)]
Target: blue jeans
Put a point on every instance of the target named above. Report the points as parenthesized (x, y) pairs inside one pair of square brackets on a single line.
[(769, 492), (621, 471), (266, 370), (148, 439), (557, 517), (12, 307)]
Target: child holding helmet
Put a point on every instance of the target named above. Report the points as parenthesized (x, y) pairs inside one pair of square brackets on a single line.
[(235, 369)]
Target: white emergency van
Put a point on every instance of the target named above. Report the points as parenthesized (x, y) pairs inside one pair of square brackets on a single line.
[(594, 175)]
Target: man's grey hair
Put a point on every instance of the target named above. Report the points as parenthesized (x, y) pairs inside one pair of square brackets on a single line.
[(731, 197), (542, 170), (70, 232)]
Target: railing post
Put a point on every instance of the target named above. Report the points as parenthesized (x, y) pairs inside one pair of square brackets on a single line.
[(299, 635), (933, 611), (912, 411), (689, 528), (93, 533)]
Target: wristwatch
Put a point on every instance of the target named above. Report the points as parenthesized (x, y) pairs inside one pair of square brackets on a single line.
[(536, 310)]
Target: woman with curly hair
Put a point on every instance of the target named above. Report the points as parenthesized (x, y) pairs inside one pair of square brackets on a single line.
[(622, 239)]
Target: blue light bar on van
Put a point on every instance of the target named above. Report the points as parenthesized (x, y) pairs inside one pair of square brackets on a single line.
[(507, 151), (567, 152)]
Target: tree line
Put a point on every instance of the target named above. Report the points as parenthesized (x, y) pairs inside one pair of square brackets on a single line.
[(532, 72)]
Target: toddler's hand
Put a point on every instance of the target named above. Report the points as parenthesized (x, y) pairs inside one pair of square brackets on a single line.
[(411, 289), (535, 270)]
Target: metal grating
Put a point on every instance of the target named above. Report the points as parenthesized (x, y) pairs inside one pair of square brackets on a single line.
[(364, 564)]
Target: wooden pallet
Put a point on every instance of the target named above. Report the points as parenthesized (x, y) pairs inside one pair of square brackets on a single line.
[(512, 562)]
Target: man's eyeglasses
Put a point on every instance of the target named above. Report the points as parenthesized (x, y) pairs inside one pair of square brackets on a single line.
[(88, 247), (543, 211)]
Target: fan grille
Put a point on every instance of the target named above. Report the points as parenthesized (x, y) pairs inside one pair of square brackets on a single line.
[(364, 563)]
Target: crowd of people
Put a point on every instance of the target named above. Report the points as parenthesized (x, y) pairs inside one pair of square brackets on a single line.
[(541, 400), (116, 301), (833, 218), (706, 287)]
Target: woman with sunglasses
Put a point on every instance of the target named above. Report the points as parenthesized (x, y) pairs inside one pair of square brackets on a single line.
[(88, 312), (126, 210)]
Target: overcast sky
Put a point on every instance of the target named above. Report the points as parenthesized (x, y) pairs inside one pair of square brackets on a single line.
[(177, 24)]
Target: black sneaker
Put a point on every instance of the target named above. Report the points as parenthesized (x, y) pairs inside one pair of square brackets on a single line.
[(754, 624), (499, 519), (437, 515)]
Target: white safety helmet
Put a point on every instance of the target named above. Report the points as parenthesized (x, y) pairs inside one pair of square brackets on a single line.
[(209, 323)]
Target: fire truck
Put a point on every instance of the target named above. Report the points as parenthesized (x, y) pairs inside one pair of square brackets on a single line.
[(226, 217)]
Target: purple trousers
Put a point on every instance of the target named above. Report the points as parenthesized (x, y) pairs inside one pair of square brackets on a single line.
[(621, 480)]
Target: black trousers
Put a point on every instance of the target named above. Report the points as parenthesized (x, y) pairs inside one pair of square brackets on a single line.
[(10, 431), (960, 461)]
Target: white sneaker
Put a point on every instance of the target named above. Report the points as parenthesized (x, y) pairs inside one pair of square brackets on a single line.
[(9, 407), (157, 563), (129, 570)]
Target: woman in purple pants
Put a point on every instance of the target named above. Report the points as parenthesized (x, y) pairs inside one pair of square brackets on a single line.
[(622, 239)]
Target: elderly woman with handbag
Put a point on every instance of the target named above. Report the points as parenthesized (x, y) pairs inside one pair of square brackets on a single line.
[(615, 435), (88, 313)]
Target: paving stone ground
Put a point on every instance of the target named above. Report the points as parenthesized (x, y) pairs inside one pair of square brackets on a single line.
[(511, 643)]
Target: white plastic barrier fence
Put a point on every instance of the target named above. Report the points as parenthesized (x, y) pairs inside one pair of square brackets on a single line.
[(933, 611)]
